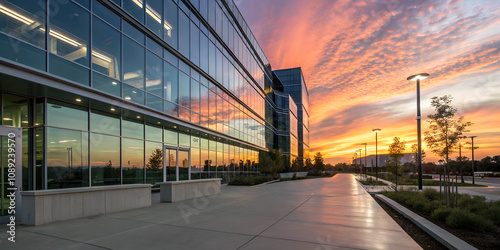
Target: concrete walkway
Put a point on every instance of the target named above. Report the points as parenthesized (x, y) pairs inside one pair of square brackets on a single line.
[(324, 213)]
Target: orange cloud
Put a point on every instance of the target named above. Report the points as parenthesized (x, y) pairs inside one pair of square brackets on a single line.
[(356, 56)]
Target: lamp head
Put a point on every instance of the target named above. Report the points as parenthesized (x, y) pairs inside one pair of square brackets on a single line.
[(376, 130), (473, 136), (420, 76)]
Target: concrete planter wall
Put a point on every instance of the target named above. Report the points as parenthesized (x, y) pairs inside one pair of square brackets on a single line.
[(172, 191), (47, 206), (290, 175)]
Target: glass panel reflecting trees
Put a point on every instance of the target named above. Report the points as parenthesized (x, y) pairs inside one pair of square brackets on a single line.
[(132, 161), (105, 159)]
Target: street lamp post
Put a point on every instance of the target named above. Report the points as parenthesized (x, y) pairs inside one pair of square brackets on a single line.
[(417, 78), (472, 138), (365, 159), (376, 130), (360, 164)]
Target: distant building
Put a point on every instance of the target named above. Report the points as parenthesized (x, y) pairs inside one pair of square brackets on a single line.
[(383, 159)]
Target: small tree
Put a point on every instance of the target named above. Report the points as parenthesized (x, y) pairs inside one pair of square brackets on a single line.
[(444, 131), (396, 152), (414, 150), (155, 160), (295, 165), (319, 164)]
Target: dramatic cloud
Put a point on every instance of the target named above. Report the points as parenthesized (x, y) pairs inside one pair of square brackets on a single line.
[(359, 53)]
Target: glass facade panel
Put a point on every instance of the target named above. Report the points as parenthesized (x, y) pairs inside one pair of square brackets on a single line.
[(106, 49), (106, 14), (67, 158), (154, 102), (106, 84), (24, 20), (171, 83), (184, 140), (69, 34), (195, 44), (154, 75), (105, 160), (170, 137), (154, 16), (133, 94), (105, 124), (132, 161), (133, 129), (184, 83), (134, 8), (154, 162), (170, 23), (133, 63), (171, 163), (154, 133), (183, 165), (69, 70), (184, 34), (67, 116)]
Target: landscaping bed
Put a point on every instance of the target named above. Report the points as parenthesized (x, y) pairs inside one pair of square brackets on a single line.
[(372, 182), (474, 220), (406, 181)]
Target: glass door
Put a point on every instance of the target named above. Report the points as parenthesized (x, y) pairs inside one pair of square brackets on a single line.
[(176, 162), (170, 164), (184, 162), (11, 176)]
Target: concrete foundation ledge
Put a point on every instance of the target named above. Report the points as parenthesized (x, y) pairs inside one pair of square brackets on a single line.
[(172, 191), (447, 239), (47, 206)]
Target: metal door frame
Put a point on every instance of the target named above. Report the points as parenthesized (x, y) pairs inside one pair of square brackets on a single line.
[(17, 135), (177, 149)]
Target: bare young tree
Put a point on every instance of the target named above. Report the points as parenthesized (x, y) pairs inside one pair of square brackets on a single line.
[(444, 130), (396, 152)]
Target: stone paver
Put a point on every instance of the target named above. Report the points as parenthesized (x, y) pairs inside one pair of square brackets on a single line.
[(323, 213)]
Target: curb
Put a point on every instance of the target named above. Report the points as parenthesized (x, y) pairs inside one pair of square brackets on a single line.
[(444, 237), (265, 183)]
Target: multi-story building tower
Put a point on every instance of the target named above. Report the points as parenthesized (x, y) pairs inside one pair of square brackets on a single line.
[(110, 92), (293, 84)]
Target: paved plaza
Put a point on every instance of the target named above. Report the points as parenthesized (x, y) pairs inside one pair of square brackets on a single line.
[(324, 213)]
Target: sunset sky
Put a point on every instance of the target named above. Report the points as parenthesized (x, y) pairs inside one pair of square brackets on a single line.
[(356, 56)]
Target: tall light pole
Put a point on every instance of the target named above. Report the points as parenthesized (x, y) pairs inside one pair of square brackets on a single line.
[(472, 138), (360, 155), (365, 156), (376, 130), (417, 78)]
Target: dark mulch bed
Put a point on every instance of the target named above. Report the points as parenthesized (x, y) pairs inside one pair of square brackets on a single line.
[(422, 238), (480, 240)]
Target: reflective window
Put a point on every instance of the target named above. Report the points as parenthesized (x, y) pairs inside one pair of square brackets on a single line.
[(154, 75), (184, 83), (132, 161), (106, 84), (184, 34), (171, 163), (170, 137), (154, 102), (23, 20), (133, 94), (220, 57), (170, 23), (183, 165), (134, 8), (203, 52), (106, 49), (195, 96), (195, 44), (153, 133), (106, 14), (133, 63), (70, 33), (203, 100), (132, 129), (171, 83), (105, 124), (154, 47), (69, 70), (154, 162), (133, 33), (15, 111), (195, 164), (67, 116), (154, 16), (171, 109), (105, 159), (67, 158), (184, 140)]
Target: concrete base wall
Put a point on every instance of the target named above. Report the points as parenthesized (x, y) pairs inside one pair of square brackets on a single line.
[(290, 175), (173, 191), (47, 206)]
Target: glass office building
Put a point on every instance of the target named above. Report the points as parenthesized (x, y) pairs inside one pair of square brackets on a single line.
[(293, 83), (111, 92)]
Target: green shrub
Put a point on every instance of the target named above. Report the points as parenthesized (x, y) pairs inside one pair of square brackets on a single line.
[(460, 218), (441, 213), (432, 205), (417, 202), (431, 194), (492, 212)]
